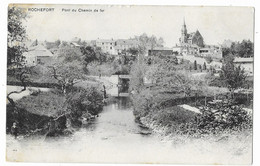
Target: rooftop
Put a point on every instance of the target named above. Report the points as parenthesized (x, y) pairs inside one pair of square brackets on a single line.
[(241, 60)]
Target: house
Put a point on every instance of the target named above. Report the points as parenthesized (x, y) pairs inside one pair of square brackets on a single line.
[(37, 54), (107, 46), (160, 50), (125, 44), (214, 52), (74, 45)]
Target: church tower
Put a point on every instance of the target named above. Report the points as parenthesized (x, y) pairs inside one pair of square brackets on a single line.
[(184, 32)]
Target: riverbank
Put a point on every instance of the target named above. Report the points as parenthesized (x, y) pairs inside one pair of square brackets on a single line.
[(50, 112), (228, 147), (186, 122)]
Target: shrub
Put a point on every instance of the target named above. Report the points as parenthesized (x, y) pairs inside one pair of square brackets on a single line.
[(224, 117), (83, 103)]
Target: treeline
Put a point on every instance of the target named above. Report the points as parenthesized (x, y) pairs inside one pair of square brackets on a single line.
[(240, 49)]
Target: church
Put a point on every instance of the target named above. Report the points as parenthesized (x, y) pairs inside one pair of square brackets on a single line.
[(193, 44), (190, 39)]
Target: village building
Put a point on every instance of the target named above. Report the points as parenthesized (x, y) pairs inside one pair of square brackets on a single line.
[(161, 51), (74, 45), (37, 54), (115, 47), (107, 45)]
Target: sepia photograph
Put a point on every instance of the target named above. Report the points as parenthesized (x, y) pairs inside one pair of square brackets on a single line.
[(130, 84)]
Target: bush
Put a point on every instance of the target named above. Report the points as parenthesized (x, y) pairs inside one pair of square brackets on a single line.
[(83, 103), (225, 117)]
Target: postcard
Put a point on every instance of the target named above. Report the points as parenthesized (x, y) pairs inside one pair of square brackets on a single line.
[(129, 84)]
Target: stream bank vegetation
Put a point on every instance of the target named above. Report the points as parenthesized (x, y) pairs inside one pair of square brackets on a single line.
[(177, 104)]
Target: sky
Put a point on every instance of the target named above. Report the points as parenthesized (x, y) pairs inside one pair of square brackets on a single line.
[(121, 22)]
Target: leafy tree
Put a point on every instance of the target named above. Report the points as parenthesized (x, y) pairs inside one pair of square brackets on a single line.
[(15, 48), (57, 43), (208, 59), (204, 66), (16, 36), (240, 49), (233, 76), (195, 65), (138, 72), (101, 57), (133, 51), (148, 42), (69, 54), (169, 80), (89, 55), (67, 73)]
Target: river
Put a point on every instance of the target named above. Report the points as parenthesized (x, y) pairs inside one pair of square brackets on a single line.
[(112, 137), (115, 137)]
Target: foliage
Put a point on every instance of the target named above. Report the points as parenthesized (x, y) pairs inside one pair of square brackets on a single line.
[(137, 73), (208, 59), (16, 35), (148, 42), (133, 51), (83, 103), (66, 73), (105, 69), (170, 80), (234, 77), (195, 65), (69, 54), (44, 103), (52, 45), (224, 117), (240, 49), (89, 54), (204, 66), (92, 54), (172, 117), (34, 113)]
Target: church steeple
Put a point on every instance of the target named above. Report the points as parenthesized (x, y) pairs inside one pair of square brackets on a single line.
[(183, 32), (184, 29)]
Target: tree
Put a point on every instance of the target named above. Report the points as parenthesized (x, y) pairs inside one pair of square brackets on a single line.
[(233, 76), (16, 47), (204, 66), (89, 55), (67, 74), (57, 43), (195, 65), (137, 73), (209, 59), (101, 57), (67, 68), (133, 51), (240, 49), (148, 42), (16, 36)]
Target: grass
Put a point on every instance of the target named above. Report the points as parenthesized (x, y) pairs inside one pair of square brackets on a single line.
[(45, 103)]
